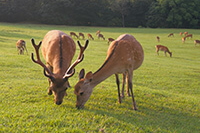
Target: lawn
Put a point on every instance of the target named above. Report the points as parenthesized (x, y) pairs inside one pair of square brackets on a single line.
[(167, 90)]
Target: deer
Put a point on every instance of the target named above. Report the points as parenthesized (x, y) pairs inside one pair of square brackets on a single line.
[(90, 36), (124, 55), (81, 35), (110, 40), (163, 48), (171, 34), (181, 33), (183, 39), (196, 42), (185, 33), (158, 38), (73, 34), (58, 49), (98, 32), (21, 45), (101, 36), (188, 35)]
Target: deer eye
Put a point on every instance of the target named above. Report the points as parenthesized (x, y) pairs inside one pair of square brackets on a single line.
[(81, 93)]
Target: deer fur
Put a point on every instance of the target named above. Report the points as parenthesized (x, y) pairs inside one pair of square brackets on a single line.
[(21, 45), (58, 50), (124, 55)]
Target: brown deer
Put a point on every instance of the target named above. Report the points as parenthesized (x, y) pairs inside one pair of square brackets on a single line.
[(21, 45), (196, 42), (58, 49), (181, 33), (81, 35), (185, 33), (98, 32), (183, 39), (171, 34), (101, 36), (188, 35), (124, 55), (163, 48), (110, 40), (90, 36), (73, 34), (158, 38)]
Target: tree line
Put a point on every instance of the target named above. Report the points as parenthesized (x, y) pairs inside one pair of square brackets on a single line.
[(116, 13)]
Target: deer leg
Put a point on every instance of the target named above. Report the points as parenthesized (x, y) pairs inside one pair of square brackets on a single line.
[(131, 90), (123, 84), (127, 87), (118, 88)]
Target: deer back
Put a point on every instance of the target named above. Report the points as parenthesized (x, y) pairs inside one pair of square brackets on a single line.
[(58, 50)]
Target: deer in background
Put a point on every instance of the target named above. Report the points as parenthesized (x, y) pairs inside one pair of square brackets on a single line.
[(163, 48), (185, 33), (158, 38), (73, 34), (58, 49), (98, 32), (101, 36), (196, 42), (181, 33), (81, 35), (110, 40), (183, 39), (124, 55), (188, 35), (90, 36), (171, 34), (21, 45)]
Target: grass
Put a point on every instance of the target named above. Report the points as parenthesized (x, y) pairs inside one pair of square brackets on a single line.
[(166, 89)]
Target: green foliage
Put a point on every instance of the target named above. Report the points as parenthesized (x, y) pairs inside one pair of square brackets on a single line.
[(166, 89)]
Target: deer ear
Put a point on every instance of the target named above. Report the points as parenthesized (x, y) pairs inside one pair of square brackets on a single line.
[(89, 76), (82, 74)]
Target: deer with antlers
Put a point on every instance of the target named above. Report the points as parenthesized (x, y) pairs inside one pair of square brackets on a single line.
[(21, 45), (58, 49), (163, 48), (124, 55)]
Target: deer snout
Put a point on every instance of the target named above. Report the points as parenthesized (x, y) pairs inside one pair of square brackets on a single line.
[(58, 102)]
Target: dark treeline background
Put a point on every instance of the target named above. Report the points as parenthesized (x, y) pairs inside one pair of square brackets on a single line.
[(118, 13)]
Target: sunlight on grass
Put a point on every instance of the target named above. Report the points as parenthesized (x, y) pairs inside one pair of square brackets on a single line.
[(166, 89)]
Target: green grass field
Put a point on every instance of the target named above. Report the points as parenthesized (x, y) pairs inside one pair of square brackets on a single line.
[(167, 90)]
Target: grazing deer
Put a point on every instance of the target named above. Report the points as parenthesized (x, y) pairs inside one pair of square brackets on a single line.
[(183, 39), (189, 35), (73, 34), (81, 35), (181, 33), (90, 36), (171, 34), (124, 55), (158, 38), (163, 48), (110, 40), (101, 36), (98, 32), (58, 49), (196, 42), (21, 45), (185, 33)]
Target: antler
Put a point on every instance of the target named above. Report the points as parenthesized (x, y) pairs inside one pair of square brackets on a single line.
[(38, 61), (78, 60)]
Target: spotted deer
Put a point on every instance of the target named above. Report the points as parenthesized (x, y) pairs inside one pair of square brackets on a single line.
[(58, 49), (163, 48), (124, 55)]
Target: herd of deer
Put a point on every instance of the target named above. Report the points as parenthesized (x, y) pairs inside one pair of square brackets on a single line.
[(166, 50), (124, 55)]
